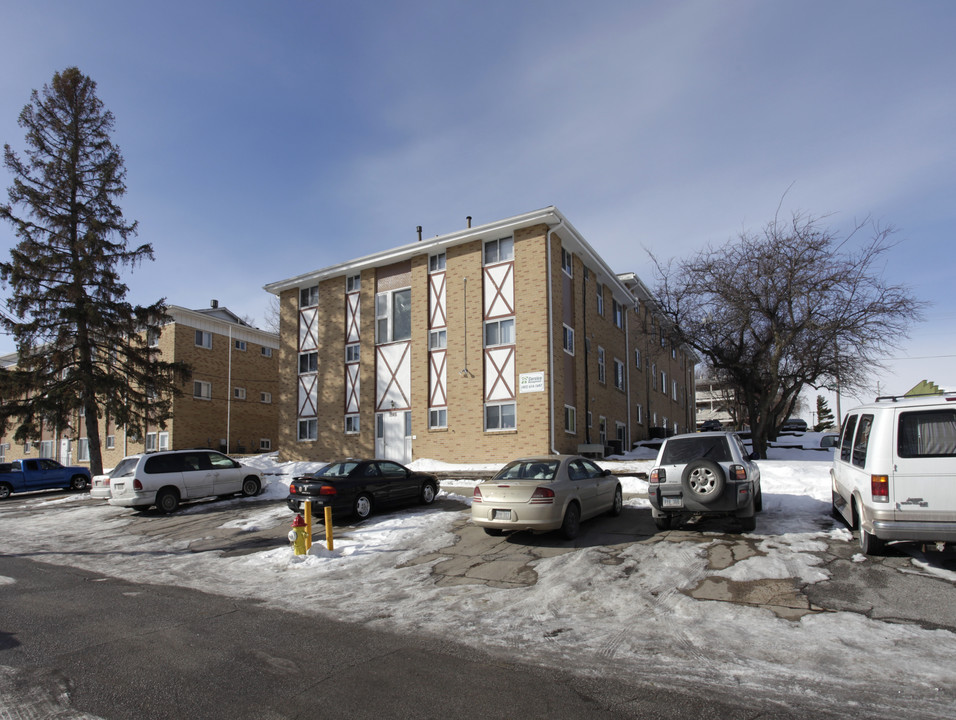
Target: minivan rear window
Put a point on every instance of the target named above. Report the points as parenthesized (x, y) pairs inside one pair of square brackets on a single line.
[(927, 433)]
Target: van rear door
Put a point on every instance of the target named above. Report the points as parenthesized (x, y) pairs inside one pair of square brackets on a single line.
[(924, 478)]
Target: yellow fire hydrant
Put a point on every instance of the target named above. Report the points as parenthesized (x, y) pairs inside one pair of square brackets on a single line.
[(298, 536)]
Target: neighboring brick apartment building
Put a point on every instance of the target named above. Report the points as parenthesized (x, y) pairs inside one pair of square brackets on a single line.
[(228, 403), (512, 338)]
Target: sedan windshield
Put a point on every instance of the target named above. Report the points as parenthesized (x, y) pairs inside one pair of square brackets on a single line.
[(528, 470), (339, 469)]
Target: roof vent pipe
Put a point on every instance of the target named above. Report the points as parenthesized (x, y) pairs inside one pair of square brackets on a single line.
[(469, 220), (419, 229)]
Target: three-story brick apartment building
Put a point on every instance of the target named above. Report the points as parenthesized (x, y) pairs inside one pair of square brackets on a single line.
[(506, 339), (228, 404)]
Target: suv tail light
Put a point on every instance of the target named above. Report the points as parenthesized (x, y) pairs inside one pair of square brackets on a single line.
[(738, 472), (658, 475), (476, 496), (542, 496), (880, 488)]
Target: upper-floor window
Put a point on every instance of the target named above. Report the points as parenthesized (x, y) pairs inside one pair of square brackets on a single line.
[(600, 299), (500, 332), (437, 340), (436, 263), (265, 397), (353, 283), (618, 374), (204, 339), (501, 250), (570, 420), (618, 310), (239, 393), (309, 297), (567, 263), (393, 315), (438, 418), (308, 429), (241, 345), (352, 353), (152, 337), (602, 370), (663, 339), (500, 416), (202, 390), (266, 351), (637, 358), (569, 340), (308, 362), (654, 375), (663, 382), (673, 389)]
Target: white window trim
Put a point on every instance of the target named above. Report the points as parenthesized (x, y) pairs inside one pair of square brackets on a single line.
[(497, 243), (602, 366), (568, 339), (439, 425), (570, 420), (307, 423), (265, 444), (204, 339), (499, 405), (205, 390), (352, 424), (240, 345), (499, 323), (265, 397), (239, 393), (567, 263)]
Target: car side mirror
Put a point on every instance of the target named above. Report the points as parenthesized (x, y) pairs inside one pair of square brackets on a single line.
[(605, 473), (754, 455)]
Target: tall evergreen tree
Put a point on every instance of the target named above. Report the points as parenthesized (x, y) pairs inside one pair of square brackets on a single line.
[(824, 415), (82, 347)]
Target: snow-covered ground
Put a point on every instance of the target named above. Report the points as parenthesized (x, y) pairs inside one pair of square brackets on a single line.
[(624, 619)]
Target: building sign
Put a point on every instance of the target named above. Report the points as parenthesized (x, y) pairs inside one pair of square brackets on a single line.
[(531, 382)]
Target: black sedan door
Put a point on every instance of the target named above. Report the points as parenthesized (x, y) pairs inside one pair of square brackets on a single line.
[(403, 486)]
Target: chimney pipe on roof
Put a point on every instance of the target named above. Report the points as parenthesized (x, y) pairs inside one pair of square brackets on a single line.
[(214, 304), (419, 229), (469, 220)]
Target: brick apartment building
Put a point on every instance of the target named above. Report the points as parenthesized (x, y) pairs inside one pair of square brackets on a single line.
[(507, 339), (228, 404)]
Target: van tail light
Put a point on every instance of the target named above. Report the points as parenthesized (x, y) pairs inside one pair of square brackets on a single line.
[(880, 488), (476, 496), (542, 496), (658, 475), (738, 472), (137, 485)]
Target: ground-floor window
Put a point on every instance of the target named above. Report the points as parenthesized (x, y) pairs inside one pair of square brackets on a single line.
[(438, 418), (46, 449), (351, 424), (602, 429), (164, 441), (150, 442), (570, 420), (83, 450), (265, 444), (500, 416), (308, 429), (110, 442)]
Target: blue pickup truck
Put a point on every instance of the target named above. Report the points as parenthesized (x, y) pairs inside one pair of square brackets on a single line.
[(40, 474)]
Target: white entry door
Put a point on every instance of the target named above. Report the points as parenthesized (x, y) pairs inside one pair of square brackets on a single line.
[(393, 436)]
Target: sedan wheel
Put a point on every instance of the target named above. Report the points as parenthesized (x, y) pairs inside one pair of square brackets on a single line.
[(572, 522), (250, 486), (618, 503), (429, 492), (363, 506)]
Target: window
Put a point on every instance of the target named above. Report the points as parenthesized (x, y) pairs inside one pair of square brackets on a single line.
[(239, 393), (500, 416), (637, 358), (308, 362), (308, 429), (600, 299), (309, 297), (204, 339), (663, 340), (568, 340), (110, 442), (83, 450), (351, 424), (352, 353), (618, 312), (640, 414), (150, 442), (353, 283), (654, 375), (436, 263), (590, 419), (501, 250), (500, 332), (46, 449), (393, 316), (241, 345), (152, 337), (438, 418), (567, 263), (265, 444), (673, 351), (202, 390), (266, 352), (265, 397), (570, 420), (437, 340), (26, 447), (930, 433), (673, 389), (164, 441), (602, 430), (618, 374), (847, 443), (663, 382), (862, 441), (602, 371)]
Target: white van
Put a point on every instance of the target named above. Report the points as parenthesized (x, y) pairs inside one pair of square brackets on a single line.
[(894, 472)]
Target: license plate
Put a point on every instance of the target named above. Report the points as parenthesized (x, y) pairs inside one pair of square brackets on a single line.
[(670, 502), (501, 515)]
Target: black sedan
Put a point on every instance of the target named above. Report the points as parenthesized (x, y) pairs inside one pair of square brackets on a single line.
[(356, 487)]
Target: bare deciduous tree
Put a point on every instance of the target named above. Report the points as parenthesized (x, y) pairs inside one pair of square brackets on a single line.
[(795, 306)]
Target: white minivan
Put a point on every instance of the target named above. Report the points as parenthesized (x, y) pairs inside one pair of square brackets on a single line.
[(165, 478), (894, 472)]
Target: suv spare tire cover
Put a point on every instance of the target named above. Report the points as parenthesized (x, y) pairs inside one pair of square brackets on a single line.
[(703, 480)]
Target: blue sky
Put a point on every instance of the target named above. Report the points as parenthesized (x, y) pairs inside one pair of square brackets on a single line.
[(263, 140)]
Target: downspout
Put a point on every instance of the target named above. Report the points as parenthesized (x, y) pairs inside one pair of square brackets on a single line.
[(627, 375), (547, 245), (229, 394)]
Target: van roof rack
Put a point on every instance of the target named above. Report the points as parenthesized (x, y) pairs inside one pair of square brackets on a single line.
[(949, 394)]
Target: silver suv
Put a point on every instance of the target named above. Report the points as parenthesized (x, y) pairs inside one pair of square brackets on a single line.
[(705, 473), (165, 478)]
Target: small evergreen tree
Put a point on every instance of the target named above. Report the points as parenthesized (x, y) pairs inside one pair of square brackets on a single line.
[(81, 345), (824, 415)]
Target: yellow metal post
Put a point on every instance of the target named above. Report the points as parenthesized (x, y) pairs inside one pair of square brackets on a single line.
[(328, 526), (308, 524)]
